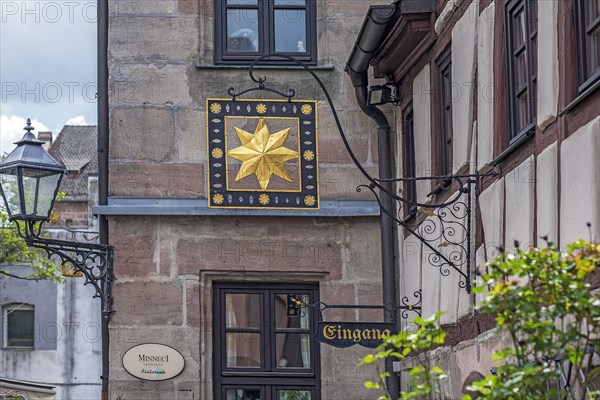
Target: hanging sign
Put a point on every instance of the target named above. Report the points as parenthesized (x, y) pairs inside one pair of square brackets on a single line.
[(262, 154), (153, 362), (346, 334)]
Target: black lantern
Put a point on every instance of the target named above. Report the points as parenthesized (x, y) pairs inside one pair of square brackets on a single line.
[(29, 180)]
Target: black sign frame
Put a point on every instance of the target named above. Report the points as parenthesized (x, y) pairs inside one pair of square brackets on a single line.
[(302, 114)]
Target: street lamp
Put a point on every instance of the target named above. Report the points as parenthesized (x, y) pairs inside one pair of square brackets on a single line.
[(29, 182), (29, 178)]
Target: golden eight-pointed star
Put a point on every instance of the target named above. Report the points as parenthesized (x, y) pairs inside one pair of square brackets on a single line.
[(262, 154)]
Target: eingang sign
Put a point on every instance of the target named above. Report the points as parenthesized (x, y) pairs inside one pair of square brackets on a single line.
[(346, 334), (153, 362)]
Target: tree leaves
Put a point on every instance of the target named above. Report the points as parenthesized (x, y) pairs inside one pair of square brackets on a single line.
[(543, 303), (541, 299), (33, 263)]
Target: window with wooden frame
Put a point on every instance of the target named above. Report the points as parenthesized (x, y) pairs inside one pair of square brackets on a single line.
[(444, 66), (247, 29), (19, 326), (587, 25), (521, 48), (409, 162), (263, 350)]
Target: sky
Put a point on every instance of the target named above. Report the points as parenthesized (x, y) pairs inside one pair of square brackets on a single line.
[(47, 66)]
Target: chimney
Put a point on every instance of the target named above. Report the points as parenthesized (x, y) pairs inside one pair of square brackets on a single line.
[(47, 138)]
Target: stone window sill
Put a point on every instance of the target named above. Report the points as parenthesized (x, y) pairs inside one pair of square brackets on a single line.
[(265, 67)]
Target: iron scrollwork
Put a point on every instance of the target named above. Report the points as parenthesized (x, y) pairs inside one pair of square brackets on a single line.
[(450, 220), (260, 81), (446, 230), (93, 260), (405, 306)]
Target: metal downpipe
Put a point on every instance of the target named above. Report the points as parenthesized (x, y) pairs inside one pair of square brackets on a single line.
[(103, 141), (368, 41), (387, 225)]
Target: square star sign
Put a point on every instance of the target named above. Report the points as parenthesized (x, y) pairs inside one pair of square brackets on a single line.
[(262, 154)]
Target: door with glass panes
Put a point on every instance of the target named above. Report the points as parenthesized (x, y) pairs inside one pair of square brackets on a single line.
[(264, 349)]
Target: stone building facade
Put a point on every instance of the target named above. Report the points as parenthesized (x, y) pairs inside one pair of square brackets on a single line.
[(178, 261), (211, 282)]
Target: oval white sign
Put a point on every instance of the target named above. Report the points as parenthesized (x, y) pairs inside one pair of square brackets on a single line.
[(153, 362)]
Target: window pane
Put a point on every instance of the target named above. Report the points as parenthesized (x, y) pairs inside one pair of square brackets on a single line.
[(243, 394), (290, 2), (521, 70), (242, 30), (288, 394), (290, 31), (522, 109), (10, 186), (242, 310), (533, 52), (593, 51), (39, 188), (447, 85), (243, 350), (533, 16), (283, 320), (519, 29), (20, 328), (293, 350), (446, 118)]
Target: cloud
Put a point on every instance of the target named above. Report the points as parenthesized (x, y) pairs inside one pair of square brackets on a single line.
[(61, 37), (11, 130), (79, 120)]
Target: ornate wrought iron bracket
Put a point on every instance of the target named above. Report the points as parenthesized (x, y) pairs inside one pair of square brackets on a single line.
[(404, 308), (446, 229), (260, 81), (261, 87), (449, 224), (93, 260)]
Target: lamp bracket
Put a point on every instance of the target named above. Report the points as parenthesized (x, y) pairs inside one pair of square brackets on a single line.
[(93, 260)]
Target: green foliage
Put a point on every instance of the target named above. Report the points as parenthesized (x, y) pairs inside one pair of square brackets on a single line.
[(425, 378), (540, 297), (542, 301), (15, 252), (12, 395)]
